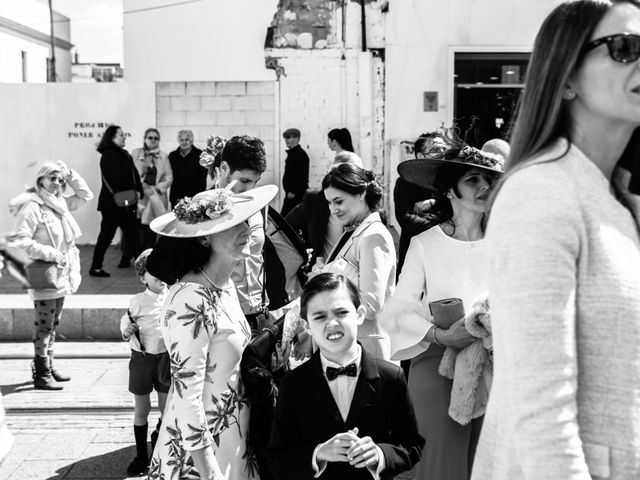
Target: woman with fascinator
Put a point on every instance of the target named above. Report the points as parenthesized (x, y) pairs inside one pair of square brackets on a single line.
[(46, 230), (447, 261), (205, 424)]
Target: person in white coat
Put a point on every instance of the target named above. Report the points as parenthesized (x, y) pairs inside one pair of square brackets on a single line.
[(564, 262), (46, 230)]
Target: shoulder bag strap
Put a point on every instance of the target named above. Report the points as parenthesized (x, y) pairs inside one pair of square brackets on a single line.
[(133, 177), (53, 243)]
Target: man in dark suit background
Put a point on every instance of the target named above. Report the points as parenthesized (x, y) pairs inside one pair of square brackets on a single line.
[(295, 180)]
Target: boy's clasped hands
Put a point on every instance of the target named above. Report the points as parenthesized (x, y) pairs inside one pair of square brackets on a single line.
[(359, 452)]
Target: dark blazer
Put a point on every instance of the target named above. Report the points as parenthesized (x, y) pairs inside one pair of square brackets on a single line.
[(405, 196), (310, 218), (116, 166), (307, 415), (189, 177), (296, 172)]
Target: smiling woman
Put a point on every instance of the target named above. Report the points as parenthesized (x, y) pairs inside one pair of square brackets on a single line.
[(365, 252)]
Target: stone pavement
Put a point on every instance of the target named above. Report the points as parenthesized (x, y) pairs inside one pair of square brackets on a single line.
[(82, 432)]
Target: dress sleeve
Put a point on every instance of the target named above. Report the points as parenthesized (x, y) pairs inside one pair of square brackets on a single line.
[(377, 259), (191, 322), (534, 235), (404, 316)]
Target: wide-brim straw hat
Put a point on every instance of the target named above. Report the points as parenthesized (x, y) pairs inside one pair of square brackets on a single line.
[(424, 172), (192, 217)]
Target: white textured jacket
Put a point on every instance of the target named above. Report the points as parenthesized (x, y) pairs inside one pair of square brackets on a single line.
[(565, 298)]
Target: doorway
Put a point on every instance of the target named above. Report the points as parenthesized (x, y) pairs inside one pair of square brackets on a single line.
[(487, 87)]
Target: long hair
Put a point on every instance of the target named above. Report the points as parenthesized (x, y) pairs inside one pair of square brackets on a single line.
[(106, 142), (343, 137), (542, 113)]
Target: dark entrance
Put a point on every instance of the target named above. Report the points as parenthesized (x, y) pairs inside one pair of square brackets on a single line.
[(487, 89)]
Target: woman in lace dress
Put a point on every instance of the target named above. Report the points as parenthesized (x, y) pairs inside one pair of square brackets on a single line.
[(204, 428)]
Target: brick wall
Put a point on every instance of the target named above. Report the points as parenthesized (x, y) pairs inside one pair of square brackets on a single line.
[(220, 108), (318, 93)]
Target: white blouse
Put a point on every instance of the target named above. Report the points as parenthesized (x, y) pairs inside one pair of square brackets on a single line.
[(437, 266)]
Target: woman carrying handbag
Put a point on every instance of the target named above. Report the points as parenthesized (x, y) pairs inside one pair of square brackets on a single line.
[(46, 231), (118, 200)]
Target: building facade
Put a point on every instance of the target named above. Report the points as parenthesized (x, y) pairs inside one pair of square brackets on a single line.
[(25, 42)]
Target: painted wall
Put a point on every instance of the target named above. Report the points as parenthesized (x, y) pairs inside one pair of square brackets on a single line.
[(209, 40), (420, 37), (63, 121)]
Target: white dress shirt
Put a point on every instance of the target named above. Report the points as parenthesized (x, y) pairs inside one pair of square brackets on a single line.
[(342, 389), (145, 309)]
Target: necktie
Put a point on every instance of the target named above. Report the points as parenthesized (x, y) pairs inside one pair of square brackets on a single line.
[(350, 371)]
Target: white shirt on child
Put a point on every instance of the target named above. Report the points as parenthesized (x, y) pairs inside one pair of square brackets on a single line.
[(342, 389), (145, 309)]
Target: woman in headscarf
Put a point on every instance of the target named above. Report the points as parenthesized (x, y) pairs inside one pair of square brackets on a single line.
[(46, 230)]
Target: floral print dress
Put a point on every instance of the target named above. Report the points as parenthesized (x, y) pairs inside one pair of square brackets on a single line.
[(205, 333)]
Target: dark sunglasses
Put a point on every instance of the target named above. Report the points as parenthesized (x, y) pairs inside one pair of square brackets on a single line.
[(153, 138), (623, 47), (55, 178)]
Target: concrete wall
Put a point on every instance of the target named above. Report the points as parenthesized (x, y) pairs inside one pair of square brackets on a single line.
[(421, 38), (220, 108), (199, 41), (63, 121)]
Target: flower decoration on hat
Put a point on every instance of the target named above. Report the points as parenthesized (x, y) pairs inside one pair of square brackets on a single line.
[(214, 205), (215, 145), (475, 156)]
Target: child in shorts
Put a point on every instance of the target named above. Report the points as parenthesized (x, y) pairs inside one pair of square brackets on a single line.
[(140, 326)]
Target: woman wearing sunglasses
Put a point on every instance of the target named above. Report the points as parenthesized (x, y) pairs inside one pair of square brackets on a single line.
[(46, 230), (565, 260)]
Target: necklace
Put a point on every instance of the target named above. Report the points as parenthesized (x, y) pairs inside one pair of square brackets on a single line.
[(210, 281)]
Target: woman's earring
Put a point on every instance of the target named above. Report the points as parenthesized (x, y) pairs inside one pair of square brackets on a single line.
[(569, 94), (204, 242)]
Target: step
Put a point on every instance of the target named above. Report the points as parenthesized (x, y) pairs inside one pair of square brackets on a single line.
[(90, 317)]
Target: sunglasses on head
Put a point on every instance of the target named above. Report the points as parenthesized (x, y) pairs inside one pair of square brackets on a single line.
[(623, 47)]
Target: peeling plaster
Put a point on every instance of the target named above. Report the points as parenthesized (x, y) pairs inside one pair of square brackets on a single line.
[(303, 24)]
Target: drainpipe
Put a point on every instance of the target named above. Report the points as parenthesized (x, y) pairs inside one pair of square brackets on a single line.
[(343, 67), (363, 25)]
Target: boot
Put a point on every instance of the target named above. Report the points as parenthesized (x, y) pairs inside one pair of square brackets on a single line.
[(57, 376), (154, 435), (139, 464), (42, 379)]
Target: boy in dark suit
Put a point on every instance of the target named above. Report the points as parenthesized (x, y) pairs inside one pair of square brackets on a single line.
[(342, 414)]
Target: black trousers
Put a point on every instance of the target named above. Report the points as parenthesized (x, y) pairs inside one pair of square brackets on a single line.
[(127, 220)]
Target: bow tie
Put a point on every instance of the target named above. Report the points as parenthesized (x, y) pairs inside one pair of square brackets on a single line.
[(350, 370)]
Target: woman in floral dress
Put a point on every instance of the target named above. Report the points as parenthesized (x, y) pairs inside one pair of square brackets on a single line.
[(204, 429)]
